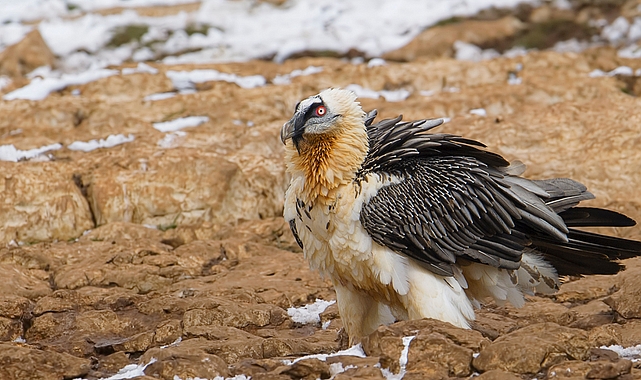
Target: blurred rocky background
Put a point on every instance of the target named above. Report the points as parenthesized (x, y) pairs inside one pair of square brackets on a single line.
[(142, 181)]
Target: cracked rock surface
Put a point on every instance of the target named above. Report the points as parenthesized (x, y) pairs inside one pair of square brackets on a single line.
[(170, 251)]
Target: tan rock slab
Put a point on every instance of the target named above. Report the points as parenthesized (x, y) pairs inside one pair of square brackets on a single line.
[(41, 202), (532, 348), (25, 56), (24, 362)]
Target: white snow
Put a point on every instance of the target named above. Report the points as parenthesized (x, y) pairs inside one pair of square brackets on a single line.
[(4, 81), (633, 51), (40, 88), (169, 141), (376, 62), (468, 52), (389, 96), (19, 340), (237, 377), (309, 313), (617, 30), (180, 123), (621, 70), (159, 96), (141, 68), (402, 361), (185, 80), (110, 141), (10, 153), (232, 30), (632, 353), (478, 111), (287, 78), (129, 371), (356, 350)]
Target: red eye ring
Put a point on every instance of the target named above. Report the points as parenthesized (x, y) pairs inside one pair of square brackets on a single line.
[(320, 111)]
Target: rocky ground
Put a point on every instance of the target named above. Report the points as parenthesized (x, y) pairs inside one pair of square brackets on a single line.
[(170, 250)]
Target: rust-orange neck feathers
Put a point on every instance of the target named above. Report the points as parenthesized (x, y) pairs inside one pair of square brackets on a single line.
[(329, 160)]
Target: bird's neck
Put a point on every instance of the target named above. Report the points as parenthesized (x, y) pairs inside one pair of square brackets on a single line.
[(327, 161)]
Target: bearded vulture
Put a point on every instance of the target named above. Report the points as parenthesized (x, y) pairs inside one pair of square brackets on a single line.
[(409, 224)]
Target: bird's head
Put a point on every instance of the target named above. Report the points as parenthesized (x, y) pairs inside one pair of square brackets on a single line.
[(327, 114)]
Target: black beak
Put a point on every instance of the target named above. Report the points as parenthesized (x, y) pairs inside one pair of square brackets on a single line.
[(294, 128)]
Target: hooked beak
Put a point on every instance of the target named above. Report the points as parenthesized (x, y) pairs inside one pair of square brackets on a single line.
[(287, 132)]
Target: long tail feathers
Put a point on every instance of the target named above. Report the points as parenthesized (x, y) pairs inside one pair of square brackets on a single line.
[(588, 252)]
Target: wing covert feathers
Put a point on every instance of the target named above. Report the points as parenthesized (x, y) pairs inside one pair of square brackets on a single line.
[(452, 199)]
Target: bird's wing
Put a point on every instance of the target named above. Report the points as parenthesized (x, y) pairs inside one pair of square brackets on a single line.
[(450, 199)]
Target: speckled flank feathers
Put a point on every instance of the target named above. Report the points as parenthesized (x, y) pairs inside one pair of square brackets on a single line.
[(409, 224)]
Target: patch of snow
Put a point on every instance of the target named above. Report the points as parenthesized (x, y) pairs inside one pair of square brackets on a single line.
[(633, 51), (10, 153), (336, 368), (631, 353), (516, 51), (326, 324), (110, 141), (309, 313), (4, 81), (402, 361), (141, 68), (12, 33), (287, 78), (19, 339), (185, 80), (616, 31), (426, 92), (621, 70), (374, 62), (240, 30), (634, 33), (390, 96), (129, 371), (159, 96), (356, 350), (180, 123), (395, 95), (174, 343), (237, 377), (362, 92), (169, 141), (40, 88), (571, 46), (513, 79), (478, 111), (464, 51)]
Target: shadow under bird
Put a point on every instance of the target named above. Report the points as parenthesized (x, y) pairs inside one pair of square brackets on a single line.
[(409, 224)]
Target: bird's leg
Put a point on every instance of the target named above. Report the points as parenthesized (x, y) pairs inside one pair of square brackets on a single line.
[(360, 313)]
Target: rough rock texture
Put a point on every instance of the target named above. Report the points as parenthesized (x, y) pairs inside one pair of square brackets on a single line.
[(439, 40), (172, 247), (25, 56)]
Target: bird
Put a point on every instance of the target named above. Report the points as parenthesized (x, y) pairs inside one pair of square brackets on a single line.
[(409, 224)]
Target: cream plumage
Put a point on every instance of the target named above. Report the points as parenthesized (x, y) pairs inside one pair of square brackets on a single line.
[(409, 224)]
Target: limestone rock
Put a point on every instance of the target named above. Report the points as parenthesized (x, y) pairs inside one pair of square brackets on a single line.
[(590, 370), (25, 56), (547, 344), (437, 348), (31, 193), (189, 359), (625, 301), (182, 188), (24, 362), (438, 41)]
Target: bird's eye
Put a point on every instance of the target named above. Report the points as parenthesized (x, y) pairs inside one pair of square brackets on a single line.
[(321, 111)]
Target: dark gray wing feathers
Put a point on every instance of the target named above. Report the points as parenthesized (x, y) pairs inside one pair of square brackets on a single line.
[(456, 200)]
